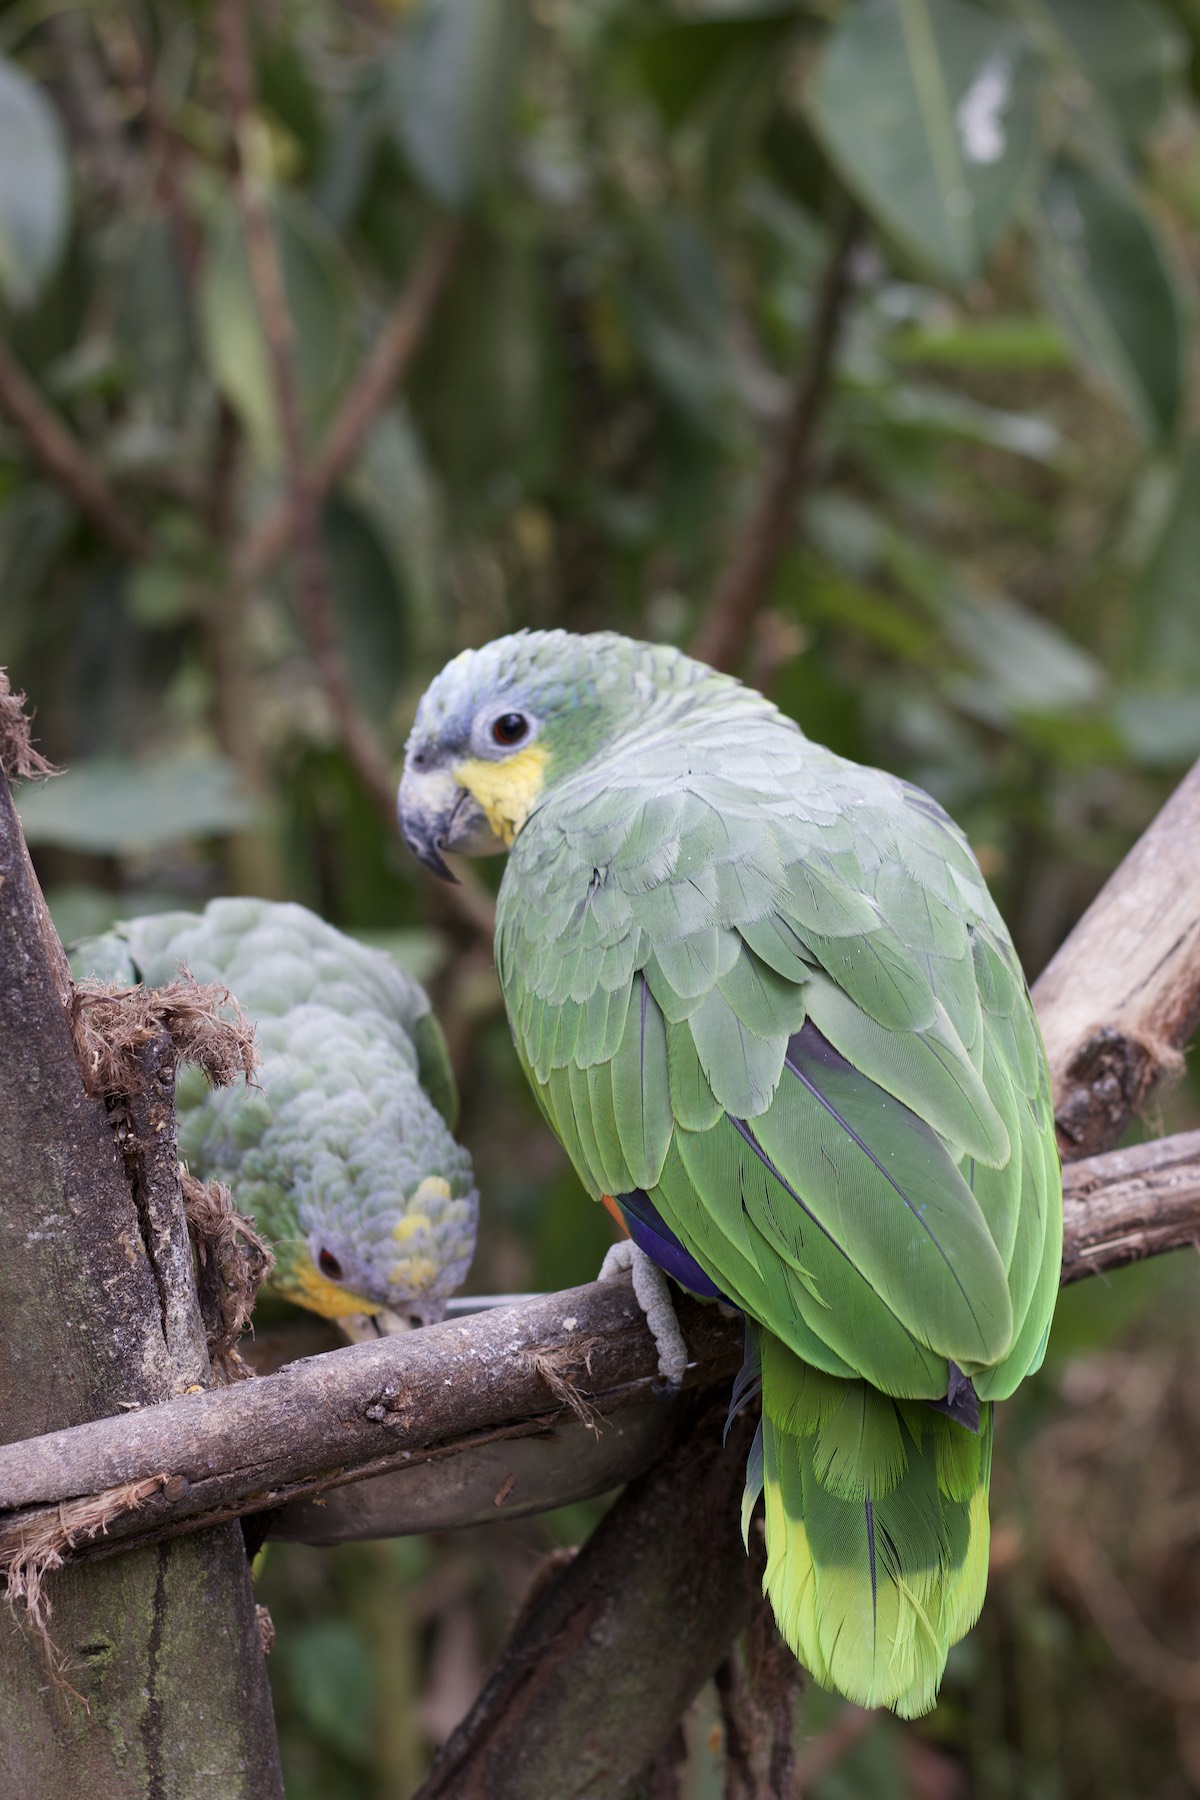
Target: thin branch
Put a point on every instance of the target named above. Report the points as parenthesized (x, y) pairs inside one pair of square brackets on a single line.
[(296, 524), (1122, 996), (303, 502), (386, 1405), (1130, 1204), (383, 371), (65, 460), (725, 628)]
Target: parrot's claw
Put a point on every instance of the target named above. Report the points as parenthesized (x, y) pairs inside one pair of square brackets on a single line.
[(653, 1295)]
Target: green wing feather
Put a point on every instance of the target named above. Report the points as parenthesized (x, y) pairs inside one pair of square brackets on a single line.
[(769, 989)]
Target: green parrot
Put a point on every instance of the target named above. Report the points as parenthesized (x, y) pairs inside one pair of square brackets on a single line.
[(767, 1004), (342, 1148)]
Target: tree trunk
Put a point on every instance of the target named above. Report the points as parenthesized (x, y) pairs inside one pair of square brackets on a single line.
[(156, 1684)]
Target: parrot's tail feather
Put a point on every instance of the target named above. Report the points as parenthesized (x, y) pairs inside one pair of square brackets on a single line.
[(877, 1531), (746, 1387)]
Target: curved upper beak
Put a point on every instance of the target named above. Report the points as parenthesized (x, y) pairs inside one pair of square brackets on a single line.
[(437, 814)]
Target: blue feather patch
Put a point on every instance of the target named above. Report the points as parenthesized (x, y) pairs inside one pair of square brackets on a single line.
[(660, 1244)]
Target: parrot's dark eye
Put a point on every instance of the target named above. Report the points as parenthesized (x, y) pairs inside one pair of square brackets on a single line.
[(510, 728), (329, 1265)]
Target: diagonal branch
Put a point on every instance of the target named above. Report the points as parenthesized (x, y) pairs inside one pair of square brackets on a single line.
[(297, 523), (724, 630), (65, 460), (1122, 996), (644, 1610), (384, 370), (302, 506), (303, 502)]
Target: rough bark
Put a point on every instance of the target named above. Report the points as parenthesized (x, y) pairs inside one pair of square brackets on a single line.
[(356, 1411), (147, 1131), (1131, 1204), (647, 1607), (1122, 997), (139, 1705)]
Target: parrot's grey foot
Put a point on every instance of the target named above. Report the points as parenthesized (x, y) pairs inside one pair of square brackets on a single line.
[(654, 1297)]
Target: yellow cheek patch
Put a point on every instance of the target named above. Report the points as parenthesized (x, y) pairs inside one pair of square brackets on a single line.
[(505, 790), (413, 1273), (308, 1287)]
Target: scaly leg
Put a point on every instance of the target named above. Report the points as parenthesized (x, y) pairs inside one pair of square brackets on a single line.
[(653, 1294)]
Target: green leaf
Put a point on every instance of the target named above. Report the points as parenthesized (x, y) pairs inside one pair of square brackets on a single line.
[(111, 806), (35, 189), (160, 596), (1004, 342), (1027, 664), (286, 89), (452, 82), (369, 606), (943, 414), (826, 594), (928, 108), (479, 392), (153, 327), (1165, 612), (316, 285), (1159, 728), (1132, 52), (680, 63), (332, 1676), (35, 528), (1108, 280), (394, 485), (420, 953)]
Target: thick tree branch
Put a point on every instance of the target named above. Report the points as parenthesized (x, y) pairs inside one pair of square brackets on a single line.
[(1122, 997), (434, 1393), (370, 1406), (567, 1710), (65, 460), (724, 630)]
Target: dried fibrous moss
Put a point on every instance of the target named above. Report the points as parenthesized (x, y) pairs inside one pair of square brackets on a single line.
[(19, 761), (42, 1545), (206, 1026), (234, 1261)]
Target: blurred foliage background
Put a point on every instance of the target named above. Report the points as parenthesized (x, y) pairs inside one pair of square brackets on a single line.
[(334, 338)]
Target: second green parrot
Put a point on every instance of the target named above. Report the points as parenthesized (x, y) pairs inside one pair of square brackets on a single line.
[(342, 1147), (766, 1002)]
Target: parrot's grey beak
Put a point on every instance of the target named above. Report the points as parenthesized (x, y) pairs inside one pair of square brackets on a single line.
[(436, 814)]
